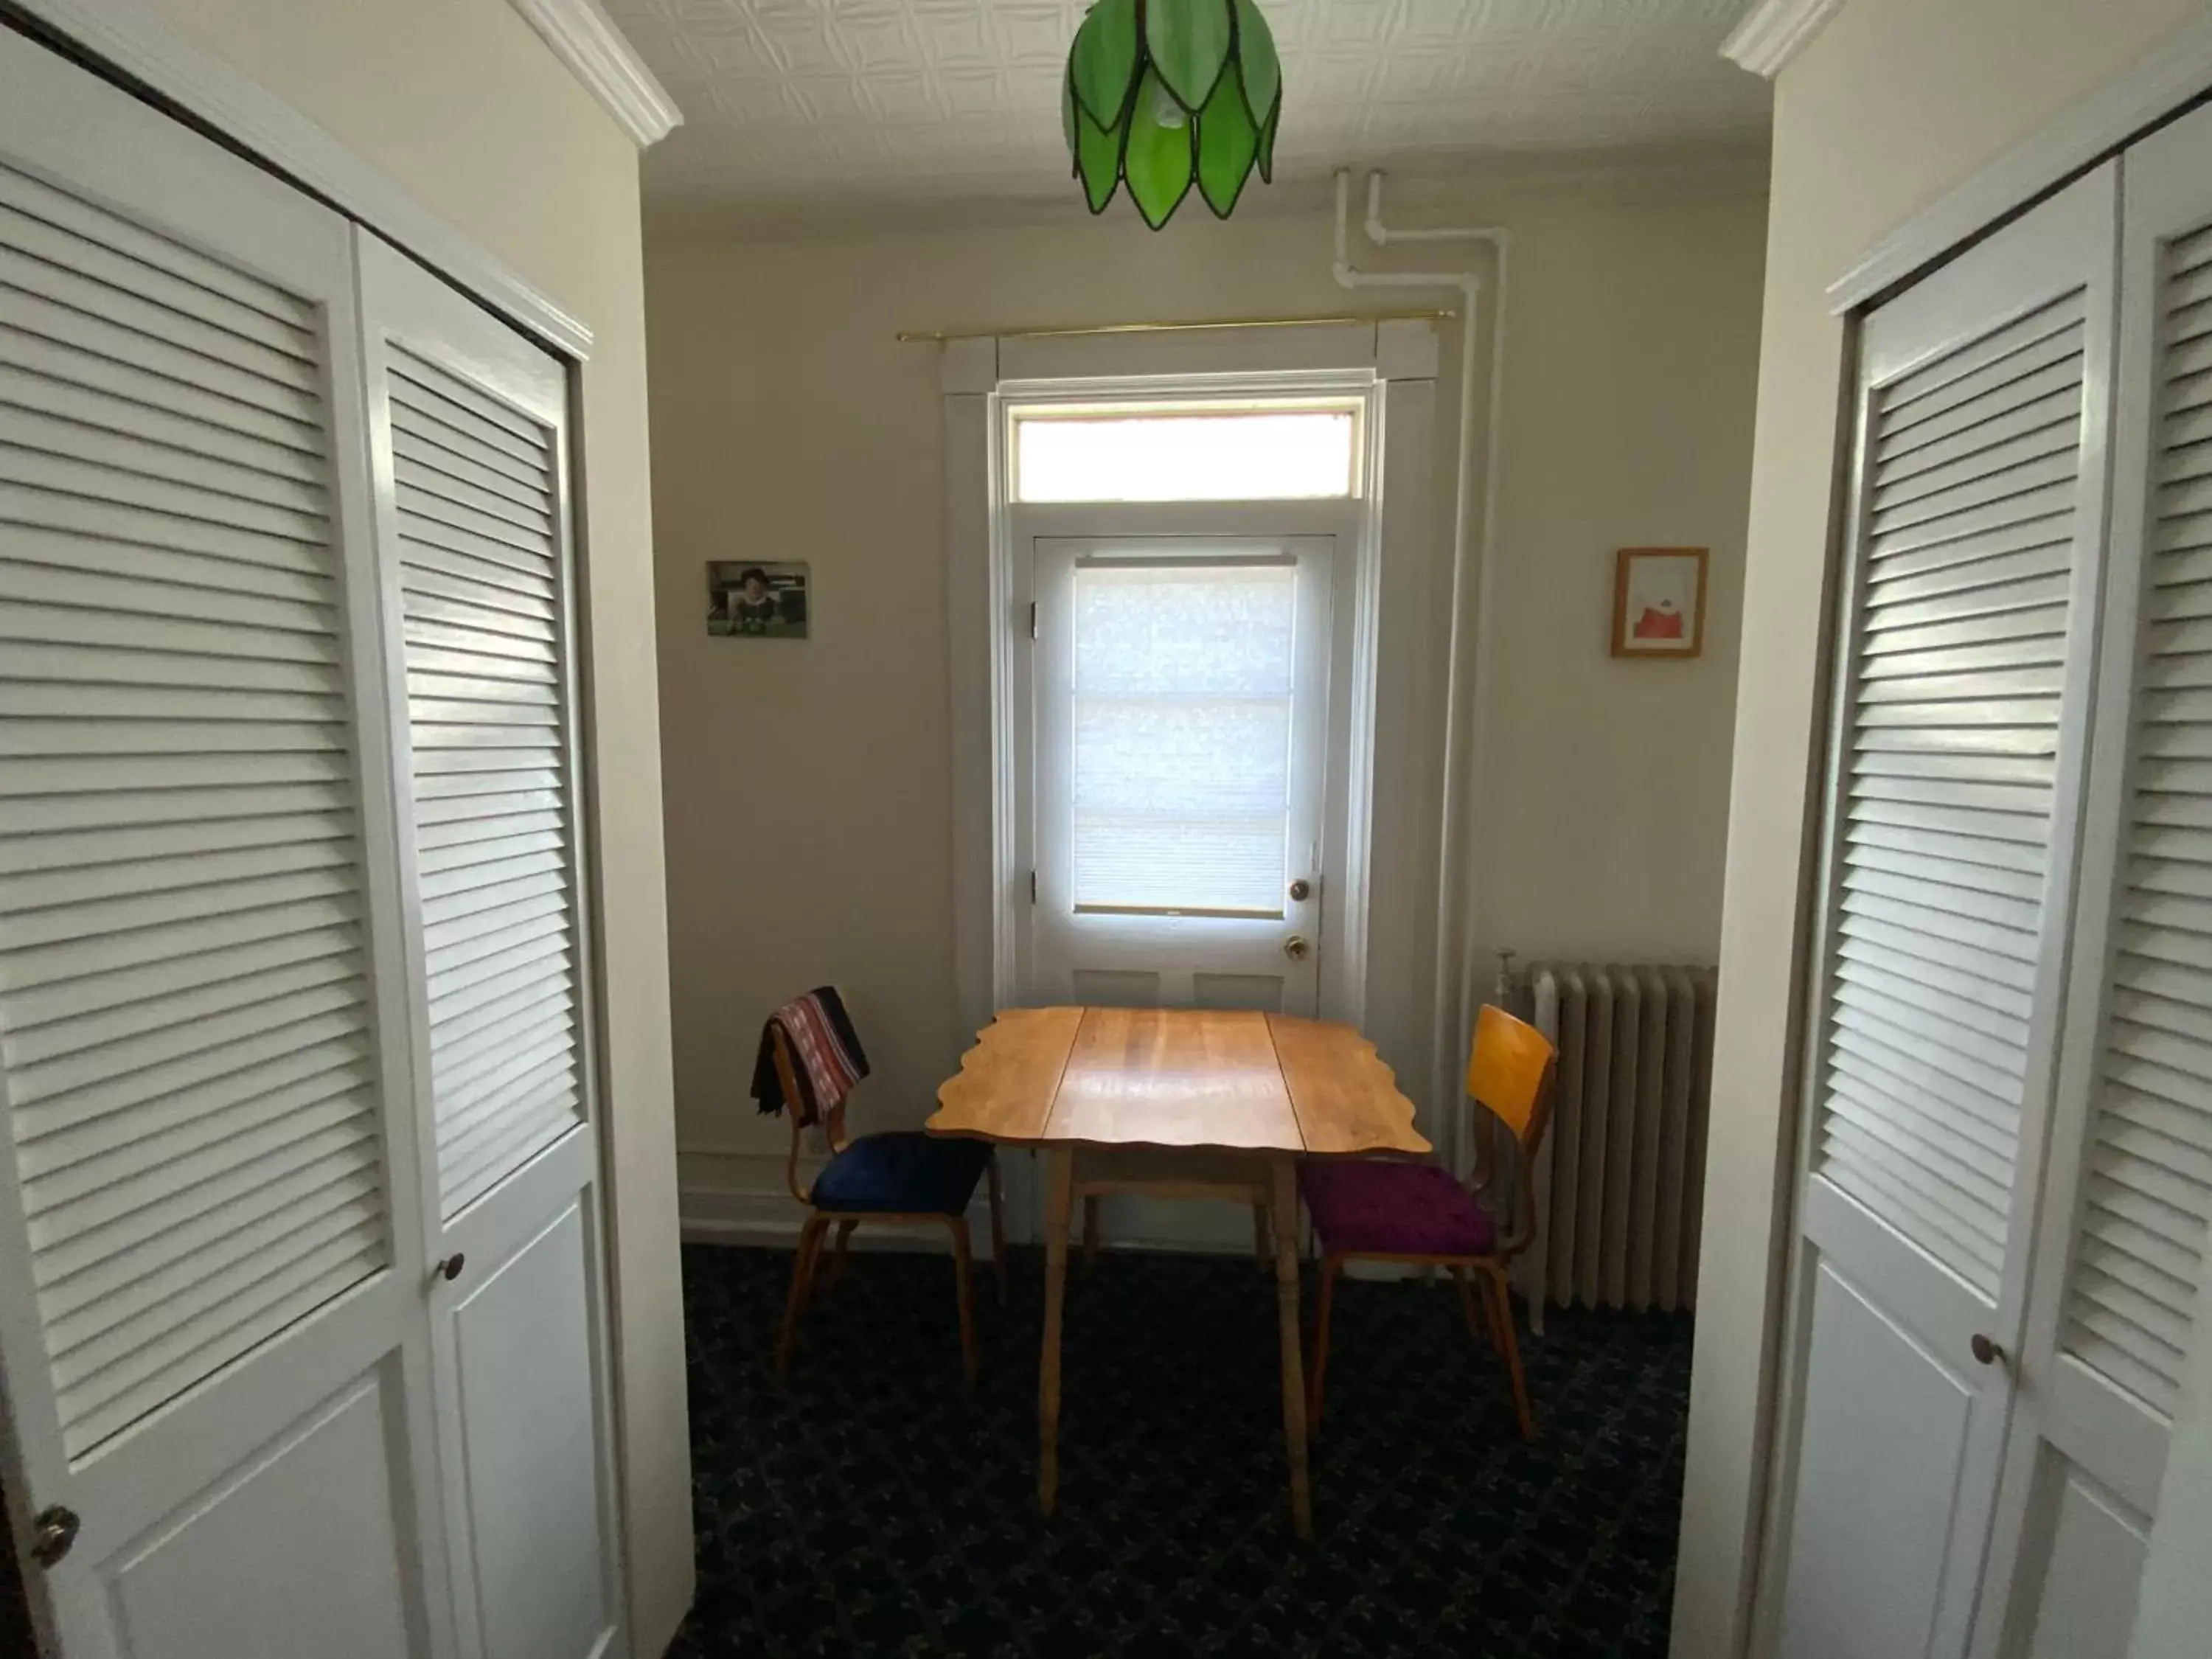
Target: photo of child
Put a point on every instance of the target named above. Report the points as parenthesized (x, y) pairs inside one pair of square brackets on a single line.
[(756, 601)]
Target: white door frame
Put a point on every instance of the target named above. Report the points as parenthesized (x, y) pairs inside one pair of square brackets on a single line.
[(1390, 366), (1356, 525)]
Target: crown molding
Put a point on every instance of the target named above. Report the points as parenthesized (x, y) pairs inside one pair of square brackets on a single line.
[(585, 38), (1775, 32)]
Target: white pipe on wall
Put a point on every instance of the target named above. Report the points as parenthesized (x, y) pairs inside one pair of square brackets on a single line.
[(1452, 1012)]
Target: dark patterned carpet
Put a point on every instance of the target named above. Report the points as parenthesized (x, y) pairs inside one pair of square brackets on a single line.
[(877, 1507)]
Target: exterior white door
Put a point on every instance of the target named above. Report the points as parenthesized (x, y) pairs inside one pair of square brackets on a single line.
[(1181, 762), (2129, 1198), (1958, 754), (217, 1359), (468, 425)]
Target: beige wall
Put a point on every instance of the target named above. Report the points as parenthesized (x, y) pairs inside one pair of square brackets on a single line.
[(809, 800), (461, 104), (1894, 103)]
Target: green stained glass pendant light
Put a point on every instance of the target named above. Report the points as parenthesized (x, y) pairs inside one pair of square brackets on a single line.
[(1169, 93)]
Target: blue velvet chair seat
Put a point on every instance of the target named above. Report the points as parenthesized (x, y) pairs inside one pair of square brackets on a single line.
[(903, 1172)]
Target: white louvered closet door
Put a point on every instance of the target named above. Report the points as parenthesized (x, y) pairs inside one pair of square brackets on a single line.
[(1956, 762), (468, 430), (2124, 1237), (212, 1315)]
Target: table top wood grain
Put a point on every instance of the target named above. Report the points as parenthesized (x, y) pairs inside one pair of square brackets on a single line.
[(1224, 1080)]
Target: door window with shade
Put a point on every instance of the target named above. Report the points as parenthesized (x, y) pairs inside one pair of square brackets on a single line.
[(1184, 682)]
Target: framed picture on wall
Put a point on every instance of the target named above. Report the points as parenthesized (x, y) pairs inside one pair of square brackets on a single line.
[(1659, 602), (764, 601)]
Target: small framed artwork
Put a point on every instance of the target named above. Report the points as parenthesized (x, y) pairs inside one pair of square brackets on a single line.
[(1659, 602), (763, 601)]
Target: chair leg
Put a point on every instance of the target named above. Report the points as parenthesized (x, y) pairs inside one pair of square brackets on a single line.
[(1501, 1301), (802, 1277), (837, 1259), (1330, 1263), (1479, 1326), (1091, 1230), (960, 1265), (998, 1229), (1263, 1237)]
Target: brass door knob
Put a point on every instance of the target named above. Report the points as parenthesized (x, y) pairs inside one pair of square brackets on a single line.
[(1985, 1351), (53, 1534), (1301, 890), (1296, 948)]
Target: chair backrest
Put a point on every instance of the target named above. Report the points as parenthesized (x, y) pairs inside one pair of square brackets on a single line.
[(1509, 1075), (1509, 1072), (833, 1124)]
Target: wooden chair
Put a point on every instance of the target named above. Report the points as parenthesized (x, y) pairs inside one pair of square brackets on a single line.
[(1376, 1211), (900, 1175)]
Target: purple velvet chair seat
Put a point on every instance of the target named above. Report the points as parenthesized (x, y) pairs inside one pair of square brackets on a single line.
[(1371, 1207)]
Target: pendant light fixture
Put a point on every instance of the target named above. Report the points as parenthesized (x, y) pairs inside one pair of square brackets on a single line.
[(1171, 94)]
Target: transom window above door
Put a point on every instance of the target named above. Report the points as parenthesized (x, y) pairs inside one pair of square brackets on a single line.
[(1246, 451)]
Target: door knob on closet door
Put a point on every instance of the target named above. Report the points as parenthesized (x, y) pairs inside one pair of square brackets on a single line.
[(1985, 1351), (53, 1532), (450, 1269), (1296, 947)]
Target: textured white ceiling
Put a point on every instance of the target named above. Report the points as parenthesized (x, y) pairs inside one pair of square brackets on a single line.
[(863, 101)]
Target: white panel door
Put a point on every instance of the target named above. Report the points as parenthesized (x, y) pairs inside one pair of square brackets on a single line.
[(212, 1324), (1954, 803), (1181, 764), (2130, 1187), (468, 425)]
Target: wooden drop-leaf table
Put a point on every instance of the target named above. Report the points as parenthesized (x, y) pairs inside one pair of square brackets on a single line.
[(1208, 1082)]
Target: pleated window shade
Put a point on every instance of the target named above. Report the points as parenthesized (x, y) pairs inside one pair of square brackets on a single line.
[(185, 1001), (476, 486), (2148, 1180), (1183, 703), (1949, 772)]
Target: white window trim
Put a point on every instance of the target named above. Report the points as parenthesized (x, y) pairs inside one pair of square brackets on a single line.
[(1392, 368)]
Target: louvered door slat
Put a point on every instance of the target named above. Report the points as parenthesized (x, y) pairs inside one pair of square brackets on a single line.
[(2131, 1292), (477, 540), (46, 373), (185, 1018), (1959, 667)]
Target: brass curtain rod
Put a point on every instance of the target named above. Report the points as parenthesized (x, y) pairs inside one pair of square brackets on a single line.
[(939, 337)]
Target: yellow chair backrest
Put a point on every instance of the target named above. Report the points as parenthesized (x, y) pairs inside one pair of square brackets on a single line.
[(1509, 1072)]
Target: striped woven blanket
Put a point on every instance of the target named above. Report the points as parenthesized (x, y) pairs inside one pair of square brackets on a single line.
[(828, 1059)]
